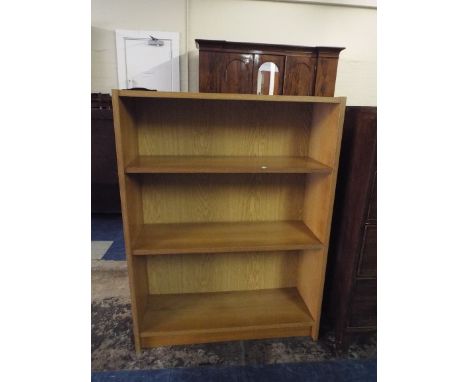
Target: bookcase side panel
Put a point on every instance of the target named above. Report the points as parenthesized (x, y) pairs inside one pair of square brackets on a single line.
[(130, 195), (325, 133), (324, 146)]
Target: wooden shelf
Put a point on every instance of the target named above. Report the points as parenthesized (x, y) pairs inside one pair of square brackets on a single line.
[(158, 239), (203, 317), (149, 164), (228, 97)]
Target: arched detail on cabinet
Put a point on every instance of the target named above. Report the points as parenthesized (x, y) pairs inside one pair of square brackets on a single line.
[(237, 73), (299, 75)]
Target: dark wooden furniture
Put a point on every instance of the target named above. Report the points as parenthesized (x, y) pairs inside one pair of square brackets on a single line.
[(351, 284), (104, 180), (232, 67)]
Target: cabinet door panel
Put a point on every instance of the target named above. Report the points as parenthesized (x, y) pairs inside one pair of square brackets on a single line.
[(326, 77), (368, 256), (372, 214), (279, 62), (210, 77), (363, 308), (225, 72), (299, 75), (237, 73)]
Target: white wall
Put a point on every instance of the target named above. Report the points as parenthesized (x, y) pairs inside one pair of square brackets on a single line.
[(243, 20), (109, 15)]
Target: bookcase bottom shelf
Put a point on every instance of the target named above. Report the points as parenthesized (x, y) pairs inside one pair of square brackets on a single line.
[(222, 316)]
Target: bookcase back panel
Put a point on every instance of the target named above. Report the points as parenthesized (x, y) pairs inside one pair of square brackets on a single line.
[(221, 272), (169, 198), (220, 128)]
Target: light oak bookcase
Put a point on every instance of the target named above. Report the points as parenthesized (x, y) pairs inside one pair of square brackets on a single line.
[(227, 202)]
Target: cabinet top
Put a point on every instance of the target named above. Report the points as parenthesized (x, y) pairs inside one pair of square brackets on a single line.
[(252, 47), (225, 96)]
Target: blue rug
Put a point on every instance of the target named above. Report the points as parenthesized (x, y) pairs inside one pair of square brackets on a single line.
[(330, 371), (109, 228)]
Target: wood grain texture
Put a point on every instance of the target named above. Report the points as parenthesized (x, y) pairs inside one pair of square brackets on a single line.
[(299, 75), (228, 73), (130, 197), (262, 48), (325, 133), (159, 239), (227, 97), (310, 278), (325, 143), (157, 164), (222, 128), (206, 232), (363, 305), (236, 73), (171, 198), (224, 312), (367, 263), (222, 336), (326, 76), (221, 272)]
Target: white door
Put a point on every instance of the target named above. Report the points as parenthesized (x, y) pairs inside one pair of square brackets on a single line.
[(148, 59)]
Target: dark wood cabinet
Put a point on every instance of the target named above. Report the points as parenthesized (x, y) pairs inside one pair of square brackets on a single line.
[(351, 285), (232, 67), (105, 196)]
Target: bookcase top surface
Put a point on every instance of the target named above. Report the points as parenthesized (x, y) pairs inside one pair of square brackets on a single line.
[(226, 96)]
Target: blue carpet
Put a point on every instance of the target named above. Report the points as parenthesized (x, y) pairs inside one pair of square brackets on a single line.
[(330, 371), (109, 228)]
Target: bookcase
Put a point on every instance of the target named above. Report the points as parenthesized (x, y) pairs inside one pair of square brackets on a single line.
[(227, 202)]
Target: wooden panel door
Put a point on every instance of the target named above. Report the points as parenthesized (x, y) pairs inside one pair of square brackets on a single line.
[(299, 75), (237, 71), (225, 72), (279, 62), (367, 263)]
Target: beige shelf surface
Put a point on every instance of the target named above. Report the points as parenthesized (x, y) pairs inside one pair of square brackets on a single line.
[(149, 164), (157, 239), (228, 96), (224, 312)]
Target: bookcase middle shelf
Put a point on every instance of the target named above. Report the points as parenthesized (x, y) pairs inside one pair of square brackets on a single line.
[(156, 164), (180, 238)]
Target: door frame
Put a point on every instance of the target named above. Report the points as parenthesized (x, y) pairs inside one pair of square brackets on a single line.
[(121, 35)]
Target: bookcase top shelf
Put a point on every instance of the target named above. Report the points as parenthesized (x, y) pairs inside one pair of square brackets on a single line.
[(155, 164), (226, 96), (178, 238)]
